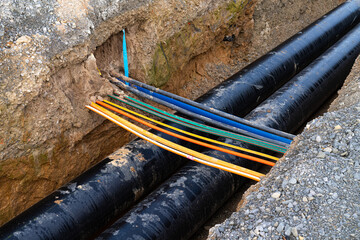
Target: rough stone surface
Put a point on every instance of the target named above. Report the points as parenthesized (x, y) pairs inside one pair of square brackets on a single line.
[(50, 52), (322, 202)]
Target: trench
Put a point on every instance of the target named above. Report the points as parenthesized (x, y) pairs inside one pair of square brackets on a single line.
[(59, 195)]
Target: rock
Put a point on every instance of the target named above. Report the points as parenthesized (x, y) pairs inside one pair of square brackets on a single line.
[(344, 154), (321, 155), (276, 195), (318, 139), (357, 176), (328, 149), (288, 231), (23, 39), (294, 232), (292, 181), (337, 127), (280, 228)]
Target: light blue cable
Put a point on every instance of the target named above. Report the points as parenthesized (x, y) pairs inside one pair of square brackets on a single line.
[(126, 67)]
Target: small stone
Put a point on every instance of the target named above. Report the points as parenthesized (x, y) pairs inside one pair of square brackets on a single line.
[(328, 149), (93, 99), (292, 181), (337, 127), (321, 155), (318, 139), (357, 176), (288, 231), (23, 39), (335, 196), (280, 228), (278, 209), (294, 232), (344, 154), (301, 238), (305, 199), (276, 195)]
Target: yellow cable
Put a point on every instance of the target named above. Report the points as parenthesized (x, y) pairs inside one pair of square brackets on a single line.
[(192, 134), (173, 147)]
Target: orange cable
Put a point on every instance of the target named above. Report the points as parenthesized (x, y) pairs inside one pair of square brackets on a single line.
[(175, 148), (186, 138)]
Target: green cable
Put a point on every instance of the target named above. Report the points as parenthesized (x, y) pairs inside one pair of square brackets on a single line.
[(198, 126), (212, 130)]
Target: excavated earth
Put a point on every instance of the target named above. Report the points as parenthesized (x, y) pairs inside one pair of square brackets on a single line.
[(51, 53)]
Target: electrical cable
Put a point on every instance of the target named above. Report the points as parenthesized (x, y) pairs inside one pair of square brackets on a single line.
[(186, 138), (192, 134), (212, 110), (201, 127), (121, 84), (175, 148), (197, 111)]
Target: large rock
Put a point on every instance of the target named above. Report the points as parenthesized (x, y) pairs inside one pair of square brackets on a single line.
[(49, 60)]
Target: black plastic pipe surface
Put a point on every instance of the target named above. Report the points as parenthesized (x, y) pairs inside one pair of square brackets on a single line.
[(85, 205), (184, 202)]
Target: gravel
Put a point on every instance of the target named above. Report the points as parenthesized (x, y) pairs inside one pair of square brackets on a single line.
[(311, 193)]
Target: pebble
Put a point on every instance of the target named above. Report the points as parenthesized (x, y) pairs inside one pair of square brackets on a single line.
[(292, 181), (321, 155), (328, 149), (294, 232), (337, 127), (280, 228), (357, 176), (288, 231), (276, 195), (318, 139), (344, 154)]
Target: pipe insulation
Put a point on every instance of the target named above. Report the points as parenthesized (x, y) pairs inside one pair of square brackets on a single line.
[(184, 202), (93, 200)]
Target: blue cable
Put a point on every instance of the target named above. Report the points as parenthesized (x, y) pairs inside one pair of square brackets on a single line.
[(213, 116), (126, 67)]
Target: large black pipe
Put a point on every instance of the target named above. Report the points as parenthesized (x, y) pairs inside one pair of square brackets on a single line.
[(189, 197), (264, 76), (93, 200)]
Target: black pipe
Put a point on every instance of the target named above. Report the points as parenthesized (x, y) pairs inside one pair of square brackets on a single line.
[(184, 202), (91, 201), (264, 76)]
